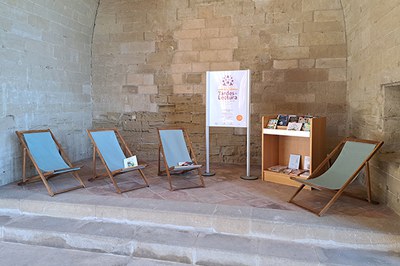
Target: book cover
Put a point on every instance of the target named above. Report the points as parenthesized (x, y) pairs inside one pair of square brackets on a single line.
[(272, 123), (306, 127), (297, 172), (277, 168), (294, 161), (305, 174), (292, 118), (130, 162), (294, 126), (302, 119), (287, 171), (307, 162), (282, 120)]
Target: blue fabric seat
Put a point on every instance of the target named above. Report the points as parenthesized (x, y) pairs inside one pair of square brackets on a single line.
[(176, 156), (48, 158), (107, 147)]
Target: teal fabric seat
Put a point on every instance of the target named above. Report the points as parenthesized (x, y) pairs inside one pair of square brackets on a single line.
[(108, 148), (175, 152), (352, 155), (48, 158), (108, 145), (350, 158)]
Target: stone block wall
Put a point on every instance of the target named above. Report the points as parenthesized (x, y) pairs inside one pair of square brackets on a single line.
[(373, 37), (45, 75), (150, 59)]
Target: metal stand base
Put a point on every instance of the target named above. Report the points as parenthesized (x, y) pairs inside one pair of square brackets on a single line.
[(249, 177), (208, 174)]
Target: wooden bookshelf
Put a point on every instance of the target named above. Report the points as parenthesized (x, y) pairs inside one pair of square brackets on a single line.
[(278, 144)]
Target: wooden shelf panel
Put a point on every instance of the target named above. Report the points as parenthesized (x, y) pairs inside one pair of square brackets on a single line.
[(278, 144), (279, 178), (282, 132)]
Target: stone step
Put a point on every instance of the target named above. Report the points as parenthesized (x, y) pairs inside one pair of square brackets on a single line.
[(21, 254), (301, 227), (175, 244)]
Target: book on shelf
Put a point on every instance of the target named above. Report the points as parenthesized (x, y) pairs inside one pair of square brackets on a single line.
[(306, 127), (297, 172), (277, 168), (305, 174), (287, 171), (130, 162), (307, 162), (292, 118), (272, 123), (294, 126), (294, 161), (302, 119), (282, 120)]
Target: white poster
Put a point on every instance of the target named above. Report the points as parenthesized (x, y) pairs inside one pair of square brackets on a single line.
[(227, 98)]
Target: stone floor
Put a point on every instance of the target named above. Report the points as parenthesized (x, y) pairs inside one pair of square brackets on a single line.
[(230, 211), (225, 188), (17, 254)]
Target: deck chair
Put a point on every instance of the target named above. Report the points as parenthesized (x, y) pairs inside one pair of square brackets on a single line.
[(174, 151), (107, 147), (48, 158), (352, 156)]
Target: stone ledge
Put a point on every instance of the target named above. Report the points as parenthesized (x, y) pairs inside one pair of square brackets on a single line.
[(351, 232)]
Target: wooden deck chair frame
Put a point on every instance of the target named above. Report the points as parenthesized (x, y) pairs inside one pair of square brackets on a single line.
[(44, 176), (113, 174), (337, 193), (171, 170)]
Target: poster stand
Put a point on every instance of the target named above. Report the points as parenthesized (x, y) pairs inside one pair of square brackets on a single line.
[(207, 171), (239, 123)]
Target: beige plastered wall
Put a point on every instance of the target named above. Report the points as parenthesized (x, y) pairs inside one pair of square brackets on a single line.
[(45, 76), (373, 41), (150, 59)]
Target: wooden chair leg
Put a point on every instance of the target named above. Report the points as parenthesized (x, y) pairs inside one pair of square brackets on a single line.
[(114, 182), (201, 177), (78, 178), (159, 160), (333, 199), (24, 165), (368, 181), (94, 164), (46, 184), (297, 192), (144, 177), (169, 179)]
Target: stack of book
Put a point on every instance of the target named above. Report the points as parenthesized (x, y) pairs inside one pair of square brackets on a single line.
[(291, 122)]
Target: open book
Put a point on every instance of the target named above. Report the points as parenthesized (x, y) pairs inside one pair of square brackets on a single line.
[(130, 162), (186, 166)]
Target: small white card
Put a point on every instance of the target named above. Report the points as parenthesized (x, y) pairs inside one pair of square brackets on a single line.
[(294, 161), (130, 162), (307, 162)]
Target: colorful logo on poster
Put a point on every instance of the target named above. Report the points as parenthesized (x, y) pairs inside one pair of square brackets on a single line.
[(227, 98), (227, 91)]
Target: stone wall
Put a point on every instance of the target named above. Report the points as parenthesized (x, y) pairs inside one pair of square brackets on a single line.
[(45, 68), (150, 58), (373, 36)]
